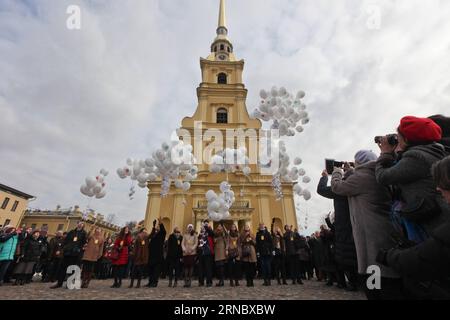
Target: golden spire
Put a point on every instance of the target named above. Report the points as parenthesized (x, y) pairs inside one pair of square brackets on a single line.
[(222, 16)]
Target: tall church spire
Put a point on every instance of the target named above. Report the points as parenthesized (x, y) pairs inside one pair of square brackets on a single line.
[(222, 16), (222, 48)]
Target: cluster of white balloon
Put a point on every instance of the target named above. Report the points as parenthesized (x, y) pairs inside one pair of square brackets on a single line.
[(286, 112), (231, 160), (219, 205), (95, 186), (172, 162), (288, 115)]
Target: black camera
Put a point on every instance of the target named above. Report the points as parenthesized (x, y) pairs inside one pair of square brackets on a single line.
[(330, 164), (391, 138)]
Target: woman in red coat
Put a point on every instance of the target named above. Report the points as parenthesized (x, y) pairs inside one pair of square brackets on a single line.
[(120, 256)]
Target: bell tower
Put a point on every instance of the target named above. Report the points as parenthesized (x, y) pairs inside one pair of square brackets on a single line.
[(221, 107)]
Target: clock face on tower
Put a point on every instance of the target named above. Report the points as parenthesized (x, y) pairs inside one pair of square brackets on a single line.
[(222, 57)]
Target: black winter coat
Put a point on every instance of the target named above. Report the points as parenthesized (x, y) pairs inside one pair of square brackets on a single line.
[(156, 252), (264, 244), (328, 251), (317, 253), (290, 239), (74, 243), (174, 249), (427, 263), (411, 173), (32, 250), (345, 251), (303, 249)]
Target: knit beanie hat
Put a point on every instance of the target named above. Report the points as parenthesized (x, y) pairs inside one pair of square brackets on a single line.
[(364, 156), (419, 129)]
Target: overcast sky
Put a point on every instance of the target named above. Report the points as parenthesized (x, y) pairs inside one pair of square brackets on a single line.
[(74, 101)]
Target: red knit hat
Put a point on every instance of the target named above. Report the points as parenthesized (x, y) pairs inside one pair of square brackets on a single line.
[(419, 129)]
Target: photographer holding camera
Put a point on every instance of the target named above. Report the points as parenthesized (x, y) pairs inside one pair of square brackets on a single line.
[(426, 267), (344, 243), (405, 165), (369, 204)]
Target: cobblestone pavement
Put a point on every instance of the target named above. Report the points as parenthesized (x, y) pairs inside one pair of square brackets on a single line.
[(100, 290)]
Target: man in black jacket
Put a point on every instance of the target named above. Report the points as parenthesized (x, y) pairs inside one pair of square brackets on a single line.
[(174, 256), (345, 253), (156, 253), (291, 244), (72, 250), (264, 251)]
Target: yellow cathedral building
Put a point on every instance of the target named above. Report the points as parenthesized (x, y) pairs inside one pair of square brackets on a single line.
[(221, 105)]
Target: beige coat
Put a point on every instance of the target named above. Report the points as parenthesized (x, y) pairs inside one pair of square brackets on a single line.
[(140, 250), (233, 246), (220, 246), (189, 244), (94, 248), (248, 242)]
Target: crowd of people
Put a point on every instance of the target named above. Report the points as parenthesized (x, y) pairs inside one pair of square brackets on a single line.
[(221, 253), (390, 211)]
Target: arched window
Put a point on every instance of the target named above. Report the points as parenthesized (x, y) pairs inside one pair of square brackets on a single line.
[(222, 115), (228, 49), (215, 48), (222, 78), (222, 47)]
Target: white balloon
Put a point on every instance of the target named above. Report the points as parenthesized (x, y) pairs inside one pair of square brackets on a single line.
[(263, 94), (90, 192), (90, 182), (101, 194), (297, 161), (224, 186), (306, 195), (97, 188), (179, 184), (306, 179), (301, 94), (186, 186), (246, 171), (298, 189), (274, 91)]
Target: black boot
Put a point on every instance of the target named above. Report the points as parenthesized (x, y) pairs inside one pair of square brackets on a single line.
[(131, 284), (236, 283), (231, 283), (138, 285)]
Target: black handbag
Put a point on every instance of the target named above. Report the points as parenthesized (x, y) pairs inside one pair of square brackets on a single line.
[(421, 210)]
